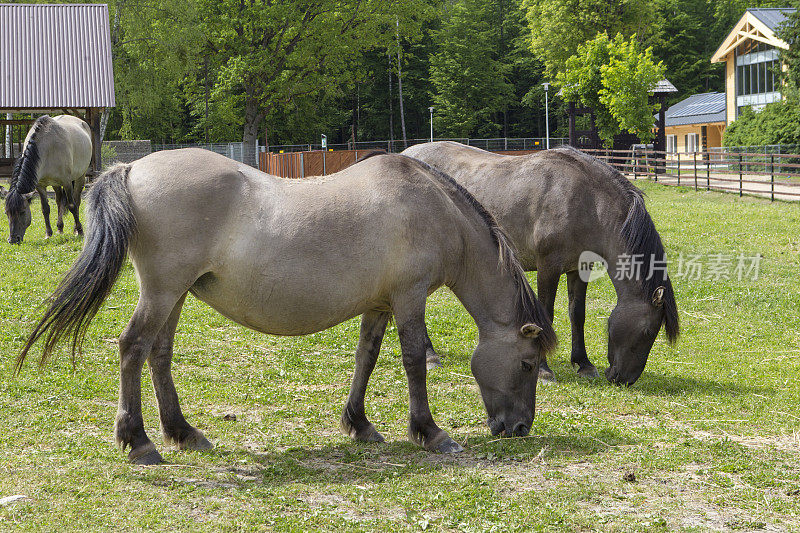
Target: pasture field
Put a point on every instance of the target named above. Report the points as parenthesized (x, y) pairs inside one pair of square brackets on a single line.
[(708, 439)]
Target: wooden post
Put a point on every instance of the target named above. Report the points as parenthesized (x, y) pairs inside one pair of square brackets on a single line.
[(93, 118), (740, 175), (679, 166), (772, 177), (572, 139)]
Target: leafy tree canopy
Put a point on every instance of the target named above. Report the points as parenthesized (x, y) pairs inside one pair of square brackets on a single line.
[(614, 78), (558, 27)]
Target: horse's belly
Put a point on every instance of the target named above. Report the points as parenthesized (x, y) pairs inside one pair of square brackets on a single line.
[(279, 307)]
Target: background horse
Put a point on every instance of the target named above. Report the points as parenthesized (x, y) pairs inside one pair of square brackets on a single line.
[(291, 257), (555, 205), (57, 153)]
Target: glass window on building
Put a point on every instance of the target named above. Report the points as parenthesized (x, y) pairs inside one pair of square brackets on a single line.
[(757, 75), (672, 144)]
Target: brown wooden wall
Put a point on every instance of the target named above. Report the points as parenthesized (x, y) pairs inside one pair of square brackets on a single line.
[(307, 164), (319, 163)]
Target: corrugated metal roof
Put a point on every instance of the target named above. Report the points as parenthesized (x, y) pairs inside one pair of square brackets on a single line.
[(697, 109), (55, 56), (772, 17)]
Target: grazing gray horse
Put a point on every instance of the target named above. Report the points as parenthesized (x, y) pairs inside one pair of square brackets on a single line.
[(290, 257), (57, 153), (554, 206)]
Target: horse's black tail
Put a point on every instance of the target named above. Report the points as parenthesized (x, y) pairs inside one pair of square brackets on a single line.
[(90, 279)]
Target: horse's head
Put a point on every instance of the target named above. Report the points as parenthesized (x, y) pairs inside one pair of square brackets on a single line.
[(18, 210), (632, 330), (506, 367)]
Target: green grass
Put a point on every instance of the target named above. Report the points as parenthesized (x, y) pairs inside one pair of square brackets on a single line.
[(711, 432)]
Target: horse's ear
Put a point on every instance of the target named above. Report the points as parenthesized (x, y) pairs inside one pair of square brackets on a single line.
[(29, 196), (658, 296), (530, 330)]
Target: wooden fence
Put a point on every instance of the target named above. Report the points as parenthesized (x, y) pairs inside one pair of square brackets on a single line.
[(775, 176), (320, 163)]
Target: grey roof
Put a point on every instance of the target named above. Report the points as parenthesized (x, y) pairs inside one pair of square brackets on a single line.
[(664, 86), (55, 56), (697, 109), (772, 17)]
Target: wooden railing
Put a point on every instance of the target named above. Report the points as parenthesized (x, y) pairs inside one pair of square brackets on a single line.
[(776, 176)]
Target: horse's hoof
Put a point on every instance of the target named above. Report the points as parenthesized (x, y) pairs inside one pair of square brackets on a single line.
[(368, 434), (196, 442), (449, 446), (588, 371), (546, 376), (432, 360), (145, 455)]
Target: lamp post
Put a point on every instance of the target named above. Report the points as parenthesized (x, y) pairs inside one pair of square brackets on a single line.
[(546, 115), (431, 110)]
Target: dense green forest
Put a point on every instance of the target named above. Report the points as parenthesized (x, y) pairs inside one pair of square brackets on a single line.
[(290, 70)]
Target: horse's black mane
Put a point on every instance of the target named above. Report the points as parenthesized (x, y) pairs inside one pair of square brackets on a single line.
[(23, 177), (641, 239), (529, 309)]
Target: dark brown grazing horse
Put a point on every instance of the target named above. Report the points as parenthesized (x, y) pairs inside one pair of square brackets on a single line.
[(556, 206)]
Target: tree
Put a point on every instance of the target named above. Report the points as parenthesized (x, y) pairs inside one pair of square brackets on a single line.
[(278, 52), (790, 33), (558, 27), (471, 68), (682, 39), (615, 79), (776, 123)]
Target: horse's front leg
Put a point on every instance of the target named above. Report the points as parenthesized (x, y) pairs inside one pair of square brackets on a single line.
[(576, 288), (546, 288), (354, 418), (48, 231), (61, 207), (174, 426), (422, 430), (135, 345)]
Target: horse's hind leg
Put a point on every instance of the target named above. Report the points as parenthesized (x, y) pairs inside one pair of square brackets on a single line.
[(48, 230), (174, 426), (73, 195), (354, 418), (576, 288), (61, 208), (135, 345), (409, 312)]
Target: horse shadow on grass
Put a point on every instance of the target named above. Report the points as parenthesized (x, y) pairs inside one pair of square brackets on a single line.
[(653, 383), (359, 463)]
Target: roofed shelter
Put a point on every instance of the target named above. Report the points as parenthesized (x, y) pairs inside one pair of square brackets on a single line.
[(55, 59)]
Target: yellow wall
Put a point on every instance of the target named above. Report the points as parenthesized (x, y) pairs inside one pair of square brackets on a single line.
[(714, 134)]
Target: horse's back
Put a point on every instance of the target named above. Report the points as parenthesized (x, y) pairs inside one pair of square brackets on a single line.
[(553, 203), (264, 250), (65, 146)]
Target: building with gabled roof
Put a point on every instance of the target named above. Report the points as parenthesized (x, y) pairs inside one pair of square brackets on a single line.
[(751, 53)]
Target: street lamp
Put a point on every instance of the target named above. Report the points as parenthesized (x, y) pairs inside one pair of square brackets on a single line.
[(431, 110), (546, 115)]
